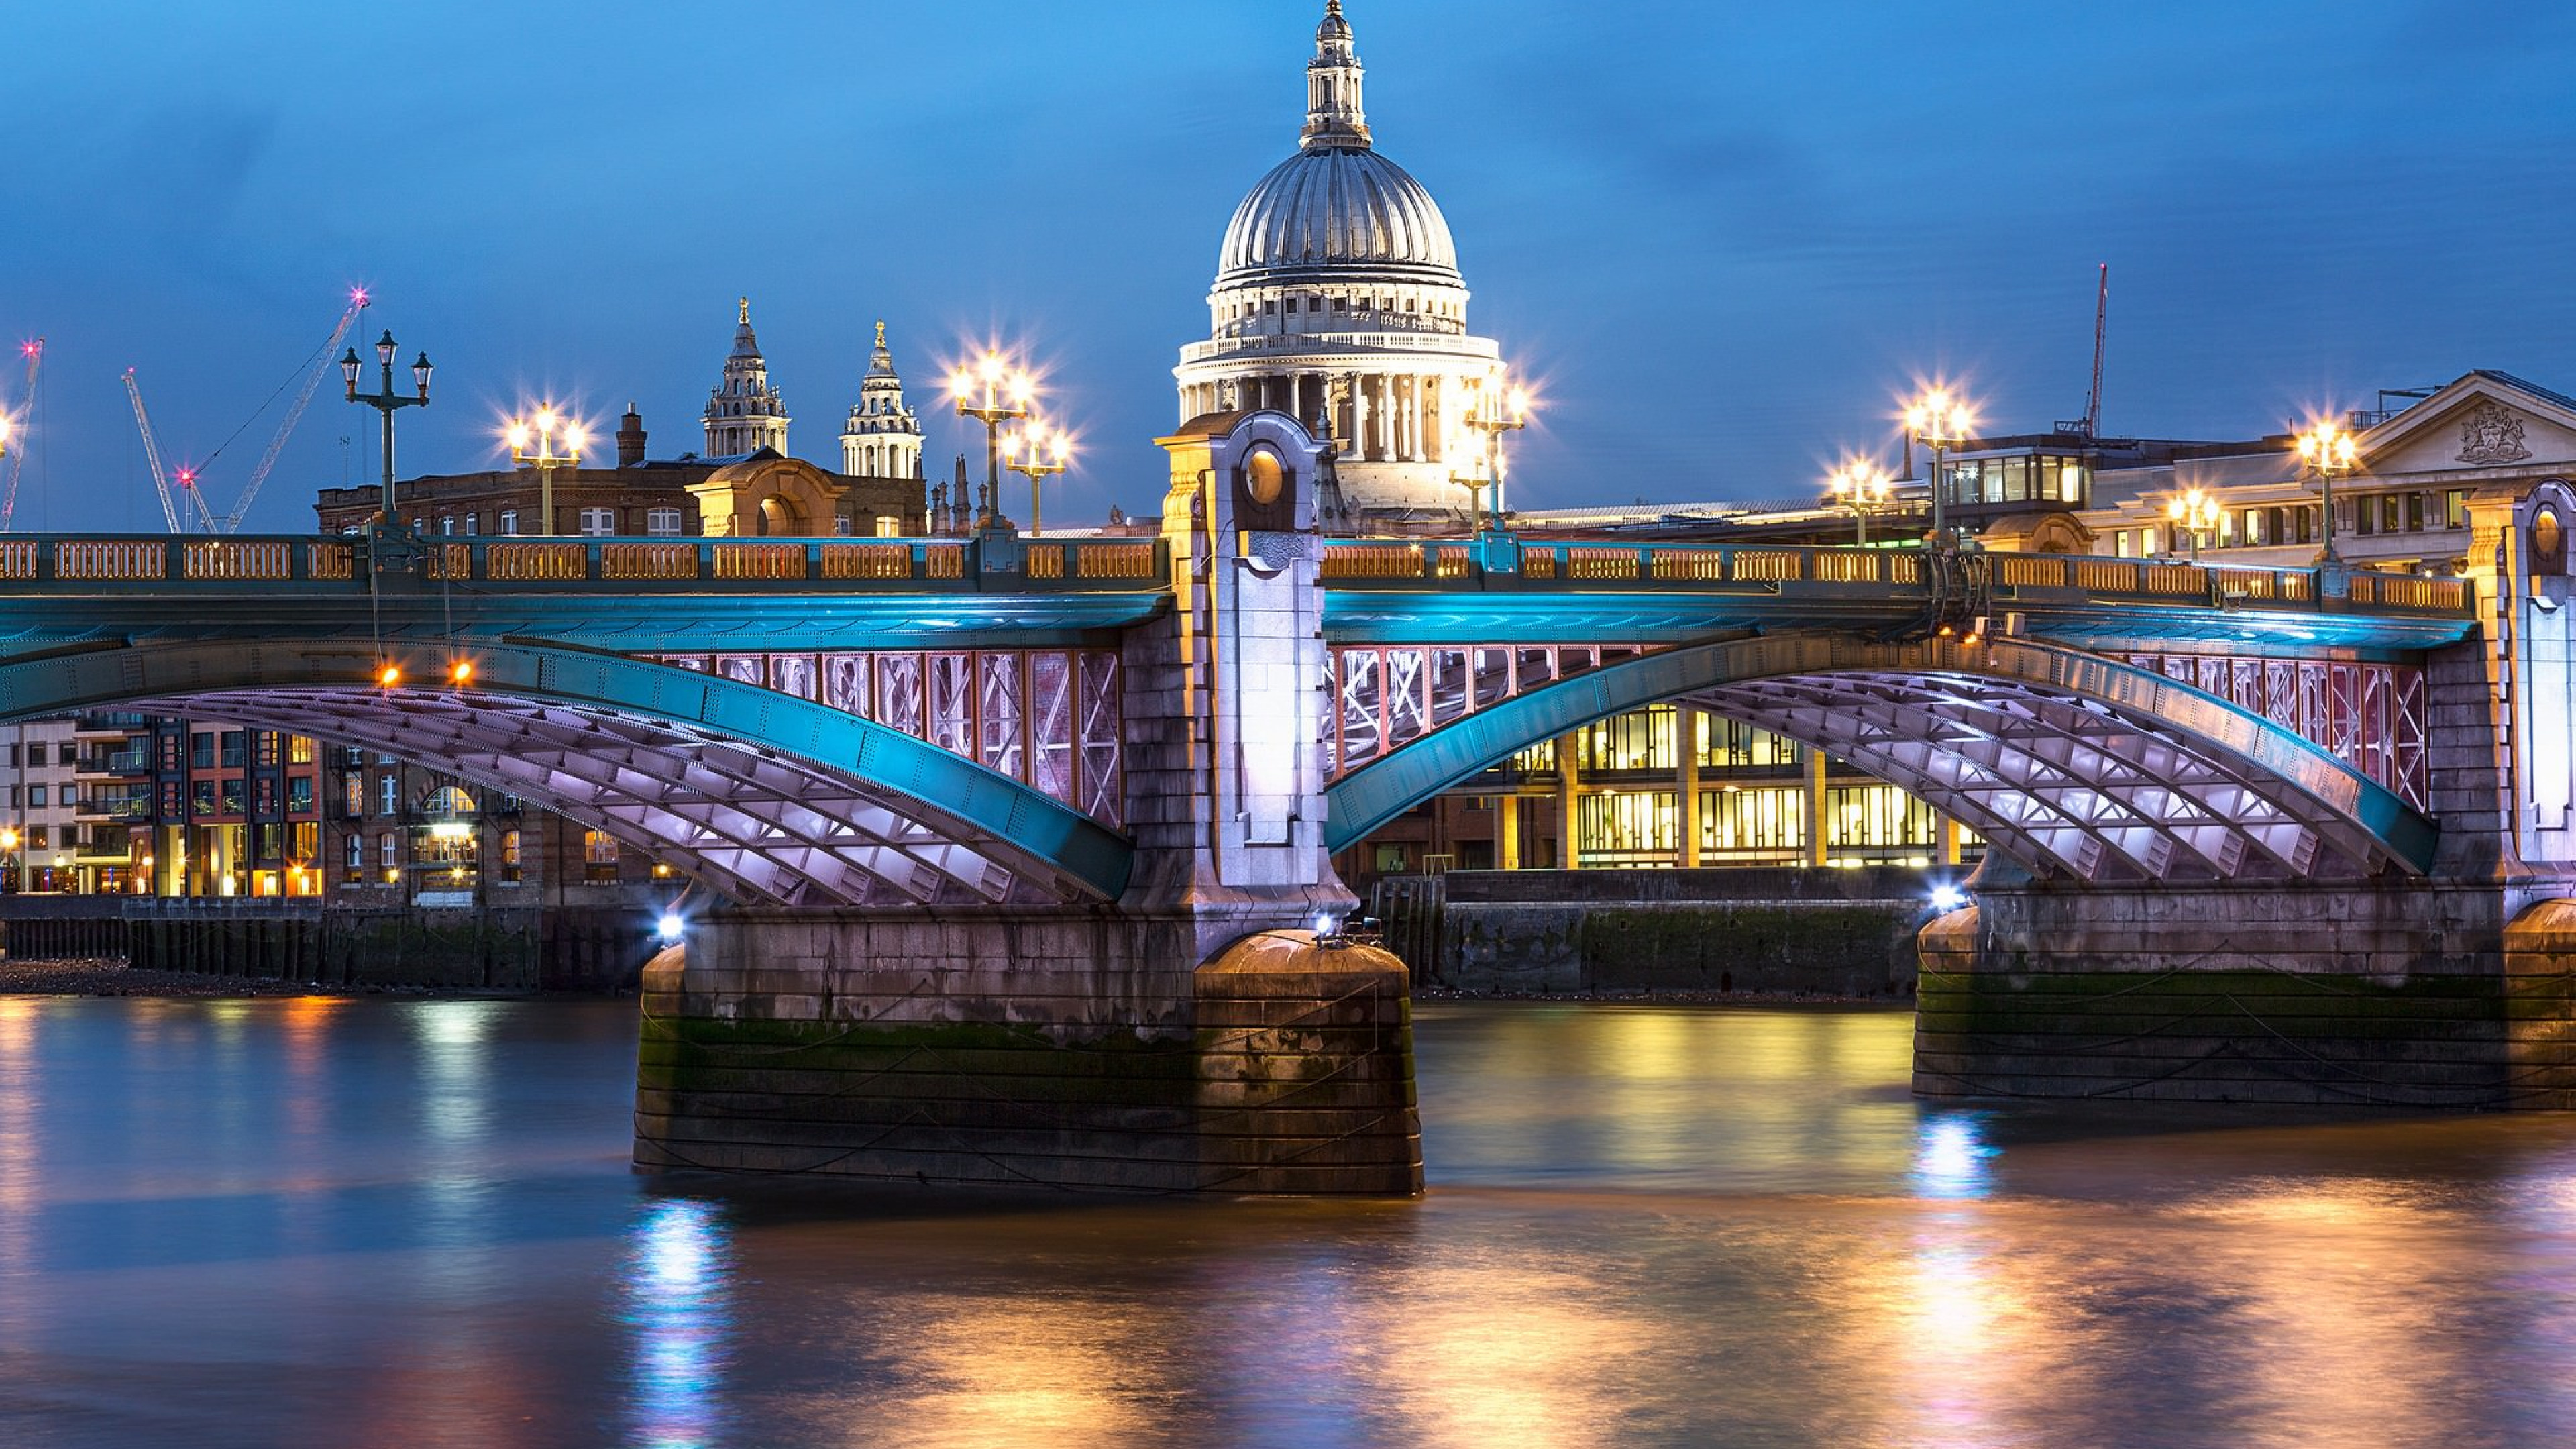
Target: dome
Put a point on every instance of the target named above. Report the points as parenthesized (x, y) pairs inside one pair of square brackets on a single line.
[(1336, 209)]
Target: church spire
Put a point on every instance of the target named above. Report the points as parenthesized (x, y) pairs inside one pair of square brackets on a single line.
[(1333, 114), (745, 412)]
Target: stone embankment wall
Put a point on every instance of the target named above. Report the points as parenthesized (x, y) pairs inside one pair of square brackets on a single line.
[(1826, 932), (498, 950)]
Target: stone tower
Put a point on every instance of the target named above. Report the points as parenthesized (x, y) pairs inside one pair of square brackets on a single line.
[(882, 438), (745, 414)]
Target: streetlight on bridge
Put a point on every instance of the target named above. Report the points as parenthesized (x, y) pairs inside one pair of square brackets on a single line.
[(1940, 421), (2194, 512), (533, 441), (386, 401), (993, 392), (1499, 409), (1860, 487), (1037, 452), (2327, 450)]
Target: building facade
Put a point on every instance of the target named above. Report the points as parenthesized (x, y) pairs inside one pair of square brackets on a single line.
[(759, 491), (1338, 300)]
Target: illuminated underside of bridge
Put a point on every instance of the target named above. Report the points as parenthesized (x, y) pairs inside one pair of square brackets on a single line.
[(761, 825), (2071, 763)]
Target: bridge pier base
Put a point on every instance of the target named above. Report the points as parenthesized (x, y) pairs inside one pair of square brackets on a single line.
[(2393, 993), (1077, 1049)]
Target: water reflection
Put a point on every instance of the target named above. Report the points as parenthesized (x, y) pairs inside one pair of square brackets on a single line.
[(1647, 1227), (678, 1309), (1951, 1161)]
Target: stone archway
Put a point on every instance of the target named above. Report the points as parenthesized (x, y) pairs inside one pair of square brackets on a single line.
[(769, 496)]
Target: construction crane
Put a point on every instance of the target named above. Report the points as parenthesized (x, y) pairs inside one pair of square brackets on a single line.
[(34, 352), (161, 481), (2090, 425), (314, 372)]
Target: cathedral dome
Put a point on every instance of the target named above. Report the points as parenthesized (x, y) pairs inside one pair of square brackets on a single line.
[(1337, 209)]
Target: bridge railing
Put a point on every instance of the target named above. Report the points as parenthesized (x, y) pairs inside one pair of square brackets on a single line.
[(902, 564), (1398, 563)]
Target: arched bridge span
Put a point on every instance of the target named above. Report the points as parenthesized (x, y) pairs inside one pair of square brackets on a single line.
[(2072, 763), (771, 797)]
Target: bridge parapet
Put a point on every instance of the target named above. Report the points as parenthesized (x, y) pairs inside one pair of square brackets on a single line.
[(1511, 565), (893, 565)]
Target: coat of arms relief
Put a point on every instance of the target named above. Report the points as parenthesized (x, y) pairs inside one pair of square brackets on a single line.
[(2492, 434)]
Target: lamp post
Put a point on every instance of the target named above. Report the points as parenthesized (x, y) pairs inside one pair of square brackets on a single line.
[(1037, 452), (2328, 450), (994, 392), (1860, 487), (9, 839), (1939, 421), (2193, 511), (386, 401), (532, 443), (1498, 410)]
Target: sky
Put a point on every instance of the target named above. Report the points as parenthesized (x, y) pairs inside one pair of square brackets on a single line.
[(1723, 238)]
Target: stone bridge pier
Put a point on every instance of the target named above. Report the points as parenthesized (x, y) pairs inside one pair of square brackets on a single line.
[(2356, 982), (1192, 1035)]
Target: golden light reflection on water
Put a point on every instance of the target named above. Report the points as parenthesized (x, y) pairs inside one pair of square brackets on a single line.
[(1505, 1351), (1008, 1370), (21, 1100)]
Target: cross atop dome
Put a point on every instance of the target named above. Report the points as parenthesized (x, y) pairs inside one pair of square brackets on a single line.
[(1334, 118)]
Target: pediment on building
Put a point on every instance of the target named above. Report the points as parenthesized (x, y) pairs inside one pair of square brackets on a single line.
[(2485, 420)]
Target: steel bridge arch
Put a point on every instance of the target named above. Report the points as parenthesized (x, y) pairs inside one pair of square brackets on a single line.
[(2067, 761), (768, 796)]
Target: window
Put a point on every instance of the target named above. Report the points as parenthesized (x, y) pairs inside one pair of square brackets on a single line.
[(447, 523), (355, 857), (387, 794), (267, 745), (1877, 822), (473, 523), (2455, 508), (353, 794), (510, 521), (889, 526), (299, 749), (39, 837), (35, 752), (35, 797), (1639, 740), (662, 522), (272, 842), (232, 795), (1628, 827), (598, 856), (299, 794), (71, 794), (201, 798), (201, 750), (385, 850), (234, 743), (1732, 744), (510, 856), (307, 836), (598, 522)]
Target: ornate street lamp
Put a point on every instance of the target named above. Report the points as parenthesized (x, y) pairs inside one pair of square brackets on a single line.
[(1037, 452), (1940, 421), (2328, 450), (1860, 487), (1497, 410), (386, 401), (994, 392), (2194, 512), (533, 443)]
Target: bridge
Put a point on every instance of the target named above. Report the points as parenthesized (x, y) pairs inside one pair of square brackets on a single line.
[(1024, 839)]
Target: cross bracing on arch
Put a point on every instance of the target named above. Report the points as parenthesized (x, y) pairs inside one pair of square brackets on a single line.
[(2074, 764), (770, 797)]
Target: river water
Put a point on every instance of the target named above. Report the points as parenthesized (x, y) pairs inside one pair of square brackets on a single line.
[(336, 1222)]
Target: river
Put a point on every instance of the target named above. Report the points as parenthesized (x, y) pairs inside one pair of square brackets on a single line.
[(343, 1222)]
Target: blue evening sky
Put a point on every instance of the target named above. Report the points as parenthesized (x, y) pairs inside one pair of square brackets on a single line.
[(1723, 235)]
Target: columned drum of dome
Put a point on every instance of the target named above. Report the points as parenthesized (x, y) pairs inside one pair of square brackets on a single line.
[(1338, 300)]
